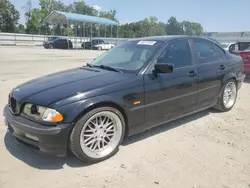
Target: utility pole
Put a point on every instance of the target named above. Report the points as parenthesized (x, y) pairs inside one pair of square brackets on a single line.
[(28, 8)]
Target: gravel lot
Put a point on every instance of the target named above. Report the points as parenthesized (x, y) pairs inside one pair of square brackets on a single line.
[(208, 149)]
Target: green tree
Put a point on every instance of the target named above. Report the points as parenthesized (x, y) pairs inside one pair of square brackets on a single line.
[(33, 23), (80, 7), (20, 28), (9, 16), (147, 27), (174, 27), (109, 14), (192, 28)]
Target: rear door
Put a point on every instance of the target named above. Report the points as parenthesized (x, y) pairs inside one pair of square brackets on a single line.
[(64, 43), (211, 60), (170, 95), (59, 44)]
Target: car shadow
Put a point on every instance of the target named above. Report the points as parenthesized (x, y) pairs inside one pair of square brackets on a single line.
[(36, 159), (41, 161), (166, 127)]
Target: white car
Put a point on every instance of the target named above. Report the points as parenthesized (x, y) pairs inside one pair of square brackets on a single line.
[(226, 45), (104, 46)]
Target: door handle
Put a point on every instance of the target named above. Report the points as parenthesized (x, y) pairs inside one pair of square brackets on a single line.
[(192, 73), (222, 67)]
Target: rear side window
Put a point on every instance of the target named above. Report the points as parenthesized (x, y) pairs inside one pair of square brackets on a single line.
[(177, 53), (220, 53), (205, 51)]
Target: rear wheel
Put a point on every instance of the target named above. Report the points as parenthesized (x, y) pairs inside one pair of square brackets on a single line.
[(227, 97), (98, 134), (51, 46), (99, 48)]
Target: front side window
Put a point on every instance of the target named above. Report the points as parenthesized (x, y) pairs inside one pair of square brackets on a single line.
[(205, 51), (177, 53), (130, 55)]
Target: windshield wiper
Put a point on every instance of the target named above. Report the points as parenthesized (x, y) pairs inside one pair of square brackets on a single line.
[(104, 67), (107, 68), (89, 65)]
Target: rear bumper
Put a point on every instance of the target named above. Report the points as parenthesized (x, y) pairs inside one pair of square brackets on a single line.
[(240, 80), (50, 140)]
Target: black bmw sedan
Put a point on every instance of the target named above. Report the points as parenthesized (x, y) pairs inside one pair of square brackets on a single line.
[(133, 87)]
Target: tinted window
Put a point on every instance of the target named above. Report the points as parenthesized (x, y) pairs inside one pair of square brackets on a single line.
[(219, 52), (61, 40), (178, 53), (244, 45), (101, 42), (205, 51)]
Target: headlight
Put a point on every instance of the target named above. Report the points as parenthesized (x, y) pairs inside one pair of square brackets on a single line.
[(42, 113)]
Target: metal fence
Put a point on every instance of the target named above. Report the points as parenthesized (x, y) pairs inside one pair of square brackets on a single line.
[(229, 37), (37, 40)]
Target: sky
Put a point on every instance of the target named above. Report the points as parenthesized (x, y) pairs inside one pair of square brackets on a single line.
[(214, 15)]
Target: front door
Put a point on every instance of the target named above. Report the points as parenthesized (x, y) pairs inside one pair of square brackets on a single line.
[(170, 95), (211, 64)]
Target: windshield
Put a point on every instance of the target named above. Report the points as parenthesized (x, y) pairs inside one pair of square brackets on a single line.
[(224, 45), (129, 56)]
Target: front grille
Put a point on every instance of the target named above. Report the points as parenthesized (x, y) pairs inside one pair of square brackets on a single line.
[(14, 106)]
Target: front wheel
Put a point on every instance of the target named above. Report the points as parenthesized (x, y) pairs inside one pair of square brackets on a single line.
[(227, 97), (98, 134)]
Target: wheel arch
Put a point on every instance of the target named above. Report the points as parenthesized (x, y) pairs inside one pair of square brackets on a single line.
[(105, 104), (230, 76)]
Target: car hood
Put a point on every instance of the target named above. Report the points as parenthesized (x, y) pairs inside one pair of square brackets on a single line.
[(54, 87)]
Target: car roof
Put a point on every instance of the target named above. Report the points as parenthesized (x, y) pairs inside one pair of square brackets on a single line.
[(171, 37)]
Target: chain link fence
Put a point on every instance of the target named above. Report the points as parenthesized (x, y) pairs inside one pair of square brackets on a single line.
[(17, 39)]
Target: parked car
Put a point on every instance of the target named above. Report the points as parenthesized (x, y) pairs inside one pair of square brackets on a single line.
[(103, 46), (97, 44), (133, 87), (242, 49), (58, 43), (226, 46)]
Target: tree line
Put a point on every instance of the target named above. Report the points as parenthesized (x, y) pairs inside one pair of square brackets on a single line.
[(35, 22)]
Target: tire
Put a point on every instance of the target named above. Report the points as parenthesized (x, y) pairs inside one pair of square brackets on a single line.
[(51, 46), (221, 104), (91, 133), (99, 48)]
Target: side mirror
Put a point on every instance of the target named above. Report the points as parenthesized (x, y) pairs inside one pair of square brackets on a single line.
[(164, 68)]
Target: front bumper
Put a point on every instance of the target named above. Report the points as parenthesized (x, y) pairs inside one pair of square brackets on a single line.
[(47, 139)]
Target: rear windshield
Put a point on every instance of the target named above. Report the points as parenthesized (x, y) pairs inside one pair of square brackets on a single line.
[(224, 45)]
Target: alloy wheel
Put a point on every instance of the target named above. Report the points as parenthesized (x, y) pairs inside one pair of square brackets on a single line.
[(101, 134), (229, 94)]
